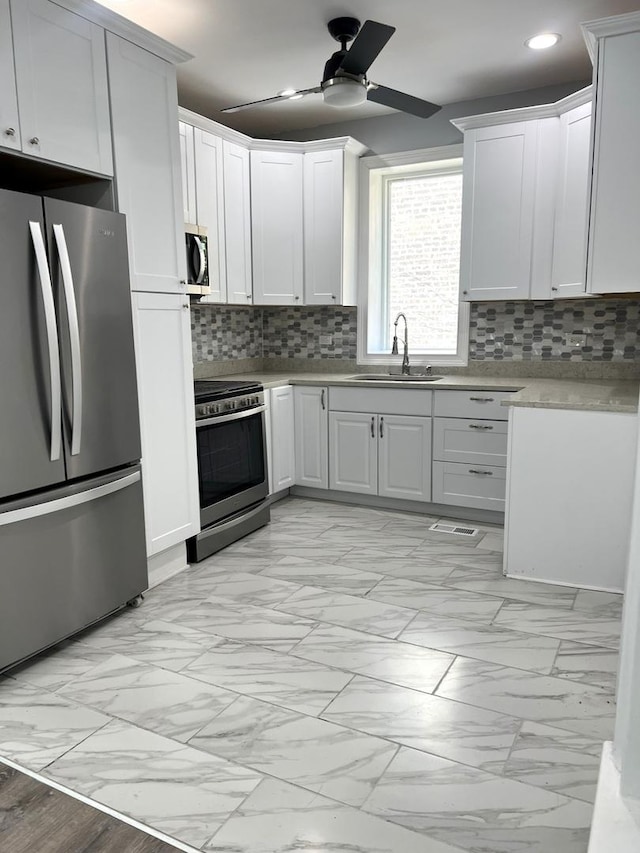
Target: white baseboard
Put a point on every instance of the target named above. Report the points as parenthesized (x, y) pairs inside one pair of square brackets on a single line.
[(616, 819), (166, 564)]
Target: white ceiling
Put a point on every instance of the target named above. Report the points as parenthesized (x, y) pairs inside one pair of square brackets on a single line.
[(444, 52)]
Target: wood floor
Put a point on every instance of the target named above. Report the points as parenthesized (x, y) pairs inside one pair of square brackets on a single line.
[(35, 818)]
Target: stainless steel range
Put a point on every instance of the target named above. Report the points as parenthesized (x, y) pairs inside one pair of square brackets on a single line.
[(232, 464)]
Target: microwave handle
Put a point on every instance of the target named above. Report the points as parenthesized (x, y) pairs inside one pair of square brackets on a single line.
[(203, 260)]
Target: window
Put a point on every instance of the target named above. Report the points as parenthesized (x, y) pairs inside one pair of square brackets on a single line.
[(410, 256)]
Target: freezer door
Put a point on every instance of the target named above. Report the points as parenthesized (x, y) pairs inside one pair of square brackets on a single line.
[(30, 452), (68, 560), (90, 272)]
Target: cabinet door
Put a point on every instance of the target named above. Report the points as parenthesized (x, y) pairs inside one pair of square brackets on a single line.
[(323, 227), (61, 79), (353, 452), (188, 173), (404, 454), (570, 231), (147, 154), (169, 468), (312, 437), (237, 222), (210, 208), (282, 438), (497, 211), (614, 248), (9, 120), (276, 227)]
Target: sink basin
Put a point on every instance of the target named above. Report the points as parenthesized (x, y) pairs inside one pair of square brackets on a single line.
[(393, 377)]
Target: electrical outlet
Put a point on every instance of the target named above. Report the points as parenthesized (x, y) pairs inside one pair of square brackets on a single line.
[(577, 341), (326, 340)]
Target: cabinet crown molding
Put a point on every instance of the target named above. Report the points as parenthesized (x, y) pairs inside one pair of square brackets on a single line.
[(120, 26), (347, 143), (603, 27), (539, 111)]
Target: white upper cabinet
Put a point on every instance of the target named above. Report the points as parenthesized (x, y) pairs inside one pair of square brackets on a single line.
[(147, 159), (571, 206), (237, 220), (210, 208), (188, 172), (497, 211), (614, 229), (277, 227), (61, 85), (312, 436), (9, 120)]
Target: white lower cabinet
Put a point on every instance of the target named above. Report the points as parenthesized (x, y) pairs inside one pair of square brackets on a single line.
[(312, 436), (283, 458), (165, 375), (466, 484), (385, 455)]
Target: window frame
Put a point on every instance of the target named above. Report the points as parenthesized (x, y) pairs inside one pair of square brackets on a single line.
[(375, 174)]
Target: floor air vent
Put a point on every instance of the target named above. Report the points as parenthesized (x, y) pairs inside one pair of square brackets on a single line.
[(439, 527)]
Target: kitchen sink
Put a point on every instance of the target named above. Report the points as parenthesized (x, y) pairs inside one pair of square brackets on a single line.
[(393, 377)]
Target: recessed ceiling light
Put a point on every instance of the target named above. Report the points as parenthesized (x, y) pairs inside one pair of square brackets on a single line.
[(543, 40), (287, 93)]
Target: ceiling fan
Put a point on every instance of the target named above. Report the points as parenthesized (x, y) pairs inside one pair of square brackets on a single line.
[(344, 82)]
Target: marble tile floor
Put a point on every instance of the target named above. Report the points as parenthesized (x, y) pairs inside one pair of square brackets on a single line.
[(342, 680)]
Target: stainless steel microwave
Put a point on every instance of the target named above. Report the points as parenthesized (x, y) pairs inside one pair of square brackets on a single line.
[(197, 248)]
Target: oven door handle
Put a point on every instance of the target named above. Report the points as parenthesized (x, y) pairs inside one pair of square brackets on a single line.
[(234, 416)]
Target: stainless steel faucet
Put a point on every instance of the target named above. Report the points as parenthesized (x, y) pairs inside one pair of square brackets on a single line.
[(394, 349)]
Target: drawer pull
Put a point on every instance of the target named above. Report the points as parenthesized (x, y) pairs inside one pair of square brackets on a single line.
[(480, 426), (482, 399), (478, 471)]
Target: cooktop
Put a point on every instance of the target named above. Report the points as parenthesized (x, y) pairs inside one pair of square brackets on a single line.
[(207, 390)]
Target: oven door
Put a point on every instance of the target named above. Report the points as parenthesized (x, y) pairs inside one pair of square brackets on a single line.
[(232, 463)]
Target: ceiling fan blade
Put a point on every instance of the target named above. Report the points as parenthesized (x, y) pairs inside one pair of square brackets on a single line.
[(366, 47), (401, 101), (299, 94)]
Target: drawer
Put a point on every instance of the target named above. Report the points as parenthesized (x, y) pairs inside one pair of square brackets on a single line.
[(459, 484), (464, 440), (383, 401), (471, 404)]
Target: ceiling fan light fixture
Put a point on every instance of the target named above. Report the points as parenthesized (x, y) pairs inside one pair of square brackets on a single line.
[(543, 41), (344, 92)]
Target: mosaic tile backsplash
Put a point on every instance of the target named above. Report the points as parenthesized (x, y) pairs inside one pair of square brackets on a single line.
[(499, 331)]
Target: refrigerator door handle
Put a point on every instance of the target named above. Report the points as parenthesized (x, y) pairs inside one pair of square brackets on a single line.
[(74, 337), (52, 338), (25, 513)]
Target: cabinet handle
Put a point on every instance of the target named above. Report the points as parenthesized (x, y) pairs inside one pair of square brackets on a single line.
[(554, 288), (186, 306), (248, 296), (480, 426), (381, 427), (10, 131), (482, 399), (322, 399), (464, 292), (296, 298), (334, 297), (478, 471), (373, 428), (34, 141)]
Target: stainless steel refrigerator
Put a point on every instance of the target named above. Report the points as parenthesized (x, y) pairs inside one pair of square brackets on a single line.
[(72, 545)]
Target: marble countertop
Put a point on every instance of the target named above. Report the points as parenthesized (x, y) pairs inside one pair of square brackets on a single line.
[(585, 395)]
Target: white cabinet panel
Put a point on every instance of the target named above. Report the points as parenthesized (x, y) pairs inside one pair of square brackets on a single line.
[(283, 460), (277, 228), (471, 404), (571, 209), (614, 247), (497, 211), (404, 454), (9, 119), (147, 158), (169, 468), (209, 180), (353, 452), (391, 401), (188, 173), (474, 486), (237, 218), (477, 441), (61, 79), (312, 436), (323, 227)]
